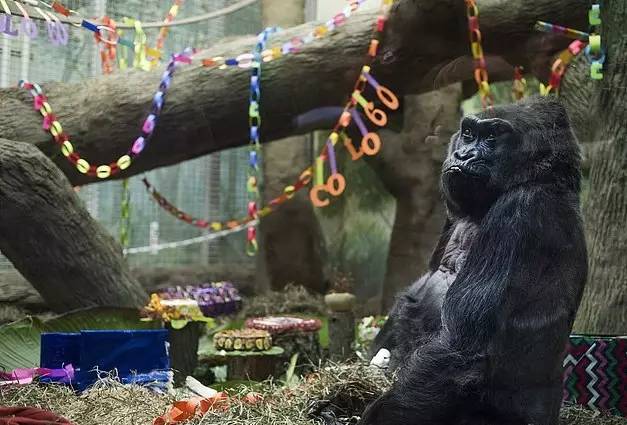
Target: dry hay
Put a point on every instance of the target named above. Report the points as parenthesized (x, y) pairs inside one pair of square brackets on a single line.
[(338, 390), (291, 299)]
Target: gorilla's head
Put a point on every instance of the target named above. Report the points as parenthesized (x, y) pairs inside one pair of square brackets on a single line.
[(521, 144)]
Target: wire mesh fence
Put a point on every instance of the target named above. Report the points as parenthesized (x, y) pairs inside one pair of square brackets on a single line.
[(212, 187)]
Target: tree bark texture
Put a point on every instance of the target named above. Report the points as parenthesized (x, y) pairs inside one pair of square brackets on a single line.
[(426, 46), (604, 306), (53, 241), (409, 165), (290, 238), (184, 350)]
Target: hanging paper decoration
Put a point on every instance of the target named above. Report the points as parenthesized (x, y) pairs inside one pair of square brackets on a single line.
[(481, 72), (125, 214), (370, 142), (106, 40), (519, 85), (335, 184), (560, 65), (294, 45), (139, 47), (155, 54), (51, 124), (594, 52), (254, 120), (558, 29)]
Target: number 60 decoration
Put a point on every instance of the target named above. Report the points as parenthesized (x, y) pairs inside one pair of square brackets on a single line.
[(370, 141)]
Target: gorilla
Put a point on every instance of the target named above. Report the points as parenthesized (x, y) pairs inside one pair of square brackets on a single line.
[(479, 340)]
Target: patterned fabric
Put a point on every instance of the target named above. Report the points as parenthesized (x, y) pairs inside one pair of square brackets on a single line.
[(595, 373)]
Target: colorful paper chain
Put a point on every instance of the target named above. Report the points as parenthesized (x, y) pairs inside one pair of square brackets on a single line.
[(242, 61), (125, 215), (558, 29), (370, 145), (519, 85), (254, 122), (51, 124), (593, 50), (558, 69), (370, 142), (292, 46), (155, 54), (107, 48), (481, 72)]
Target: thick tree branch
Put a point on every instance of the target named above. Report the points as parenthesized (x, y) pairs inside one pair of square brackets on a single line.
[(53, 241), (426, 47)]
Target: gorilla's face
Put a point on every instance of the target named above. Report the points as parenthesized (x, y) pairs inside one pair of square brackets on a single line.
[(527, 143), (471, 172)]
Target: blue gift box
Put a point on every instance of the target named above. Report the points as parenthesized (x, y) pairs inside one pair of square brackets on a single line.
[(60, 349), (131, 353)]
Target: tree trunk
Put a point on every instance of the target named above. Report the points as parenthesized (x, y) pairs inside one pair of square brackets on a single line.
[(604, 306), (409, 165), (290, 238), (53, 241), (206, 108)]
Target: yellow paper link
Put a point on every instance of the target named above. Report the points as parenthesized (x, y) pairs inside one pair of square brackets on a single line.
[(360, 99), (319, 170), (139, 59), (155, 53), (123, 52)]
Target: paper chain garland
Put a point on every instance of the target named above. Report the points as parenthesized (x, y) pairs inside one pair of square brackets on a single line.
[(294, 45), (558, 29), (370, 145), (104, 171), (558, 69), (481, 72), (254, 120), (519, 85), (242, 61), (155, 54), (125, 214), (370, 142), (593, 50), (107, 49)]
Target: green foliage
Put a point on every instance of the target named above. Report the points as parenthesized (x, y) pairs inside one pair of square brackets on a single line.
[(20, 341)]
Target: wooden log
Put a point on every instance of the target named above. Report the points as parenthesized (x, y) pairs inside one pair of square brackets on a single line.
[(183, 350), (255, 367), (341, 335), (52, 239)]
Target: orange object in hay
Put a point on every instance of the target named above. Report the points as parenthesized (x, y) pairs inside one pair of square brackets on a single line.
[(184, 410)]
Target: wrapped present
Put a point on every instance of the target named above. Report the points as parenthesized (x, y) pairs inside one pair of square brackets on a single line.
[(242, 340), (135, 356), (59, 349), (595, 373), (283, 324)]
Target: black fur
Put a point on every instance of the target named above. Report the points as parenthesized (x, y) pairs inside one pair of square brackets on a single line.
[(492, 354)]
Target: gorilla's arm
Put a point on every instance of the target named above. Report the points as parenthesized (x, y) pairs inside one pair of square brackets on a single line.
[(525, 267), (412, 306), (438, 252), (511, 304)]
